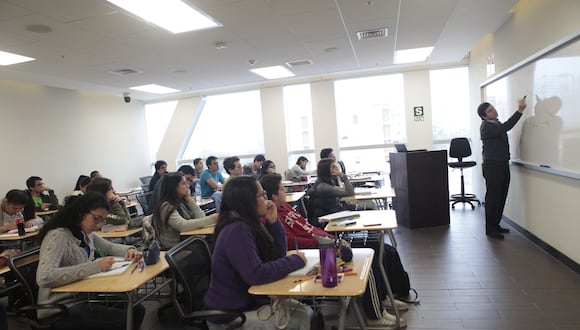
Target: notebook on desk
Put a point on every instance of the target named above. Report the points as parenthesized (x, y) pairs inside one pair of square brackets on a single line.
[(313, 260), (119, 267)]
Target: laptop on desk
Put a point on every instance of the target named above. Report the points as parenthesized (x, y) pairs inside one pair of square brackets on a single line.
[(401, 147)]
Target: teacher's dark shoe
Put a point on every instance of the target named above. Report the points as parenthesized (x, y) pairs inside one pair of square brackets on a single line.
[(503, 230), (494, 234)]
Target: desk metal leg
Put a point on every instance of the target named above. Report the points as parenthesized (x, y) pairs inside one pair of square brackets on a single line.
[(359, 318), (386, 279), (392, 238), (342, 315), (129, 322)]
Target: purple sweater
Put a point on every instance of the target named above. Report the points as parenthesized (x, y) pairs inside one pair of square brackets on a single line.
[(236, 266)]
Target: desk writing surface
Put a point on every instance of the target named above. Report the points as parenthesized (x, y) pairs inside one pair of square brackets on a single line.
[(353, 285), (372, 193), (380, 219), (15, 236), (4, 270), (122, 283), (294, 196), (47, 212), (209, 230), (205, 201), (119, 234)]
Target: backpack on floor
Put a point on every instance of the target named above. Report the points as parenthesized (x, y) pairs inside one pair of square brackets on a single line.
[(398, 277)]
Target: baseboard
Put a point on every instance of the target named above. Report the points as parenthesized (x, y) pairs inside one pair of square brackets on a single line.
[(545, 246)]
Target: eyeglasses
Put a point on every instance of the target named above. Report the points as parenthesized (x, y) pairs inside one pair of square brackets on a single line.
[(98, 218), (263, 194)]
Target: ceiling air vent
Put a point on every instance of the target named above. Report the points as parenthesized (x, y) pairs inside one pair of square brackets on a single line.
[(369, 34), (298, 63), (125, 72)]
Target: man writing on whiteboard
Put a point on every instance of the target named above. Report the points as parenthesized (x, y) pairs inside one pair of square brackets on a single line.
[(495, 164)]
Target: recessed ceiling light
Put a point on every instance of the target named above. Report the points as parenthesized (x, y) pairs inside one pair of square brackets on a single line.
[(273, 72), (155, 89), (9, 58), (172, 15), (412, 55)]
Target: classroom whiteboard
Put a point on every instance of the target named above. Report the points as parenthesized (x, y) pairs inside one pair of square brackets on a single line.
[(548, 135)]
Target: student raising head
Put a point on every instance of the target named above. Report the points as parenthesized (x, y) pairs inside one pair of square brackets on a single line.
[(248, 252), (176, 211)]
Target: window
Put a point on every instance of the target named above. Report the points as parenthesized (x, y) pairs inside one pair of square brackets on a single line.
[(369, 108), (298, 112), (450, 103), (370, 115), (157, 116), (229, 124)]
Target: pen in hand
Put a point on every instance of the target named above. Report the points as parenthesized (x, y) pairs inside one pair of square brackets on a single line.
[(135, 268), (296, 244)]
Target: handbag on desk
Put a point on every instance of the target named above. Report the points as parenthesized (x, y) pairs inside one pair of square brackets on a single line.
[(151, 253)]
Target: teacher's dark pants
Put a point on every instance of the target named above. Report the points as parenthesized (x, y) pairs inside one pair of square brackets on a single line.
[(497, 182)]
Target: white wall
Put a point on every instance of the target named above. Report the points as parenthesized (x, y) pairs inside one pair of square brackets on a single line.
[(58, 134), (544, 204)]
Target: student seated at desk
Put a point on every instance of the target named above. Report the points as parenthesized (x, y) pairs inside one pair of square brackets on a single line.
[(12, 204), (80, 188), (300, 230), (211, 179), (298, 171), (268, 167), (70, 251), (119, 214), (176, 211), (324, 196), (247, 252)]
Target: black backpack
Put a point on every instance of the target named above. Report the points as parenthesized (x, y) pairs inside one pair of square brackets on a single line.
[(398, 277)]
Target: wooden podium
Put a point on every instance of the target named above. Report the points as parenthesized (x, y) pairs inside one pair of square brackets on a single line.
[(420, 181)]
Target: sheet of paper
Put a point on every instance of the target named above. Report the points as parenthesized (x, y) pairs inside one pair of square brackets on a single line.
[(118, 268), (313, 257)]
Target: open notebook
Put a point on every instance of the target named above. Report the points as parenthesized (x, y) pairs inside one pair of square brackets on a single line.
[(313, 257), (119, 267)]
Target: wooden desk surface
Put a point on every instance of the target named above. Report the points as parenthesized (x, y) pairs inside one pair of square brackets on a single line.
[(4, 270), (48, 212), (201, 231), (295, 183), (366, 194), (205, 201), (353, 285), (125, 282), (15, 237), (379, 219), (294, 196), (119, 234)]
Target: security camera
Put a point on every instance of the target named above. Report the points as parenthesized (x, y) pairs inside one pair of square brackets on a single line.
[(127, 97), (252, 62)]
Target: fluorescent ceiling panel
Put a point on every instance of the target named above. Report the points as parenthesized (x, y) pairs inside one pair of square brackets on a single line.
[(412, 55), (273, 72), (9, 58), (172, 15), (155, 89)]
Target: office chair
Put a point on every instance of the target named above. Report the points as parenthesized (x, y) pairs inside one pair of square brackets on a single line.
[(190, 263), (23, 266), (460, 148)]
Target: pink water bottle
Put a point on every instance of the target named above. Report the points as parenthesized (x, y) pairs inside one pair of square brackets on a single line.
[(328, 263), (20, 224)]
